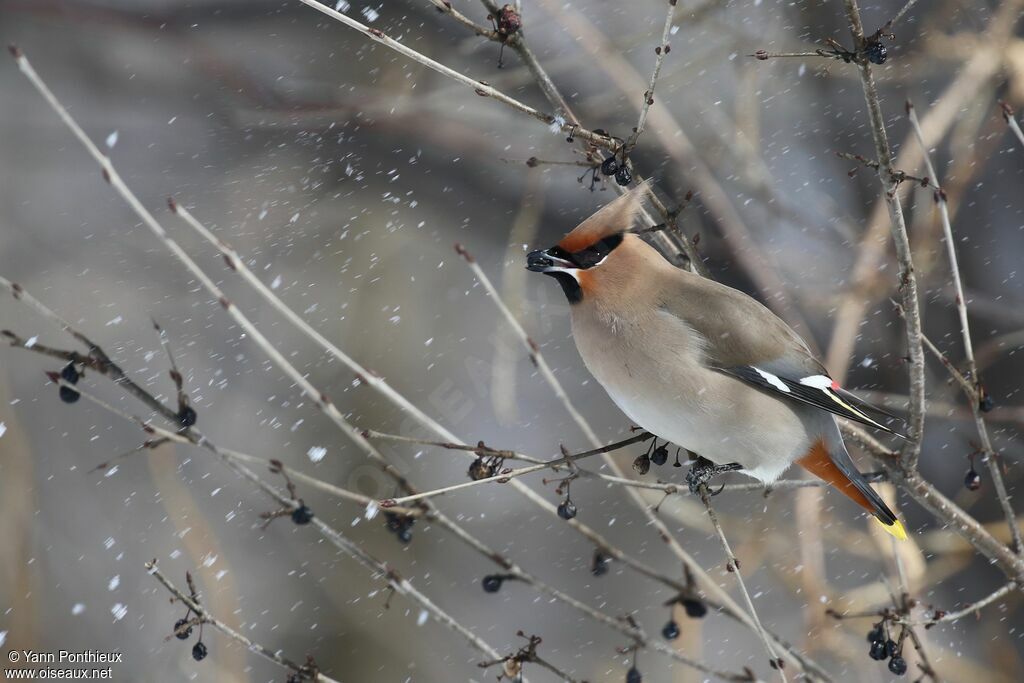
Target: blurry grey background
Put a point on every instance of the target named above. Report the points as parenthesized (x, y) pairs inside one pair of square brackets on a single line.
[(345, 173)]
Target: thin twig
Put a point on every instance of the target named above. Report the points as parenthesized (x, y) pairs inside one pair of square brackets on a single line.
[(480, 87), (899, 15), (206, 618), (991, 457), (446, 7), (507, 475), (1011, 121), (661, 51), (948, 617), (898, 226), (733, 566)]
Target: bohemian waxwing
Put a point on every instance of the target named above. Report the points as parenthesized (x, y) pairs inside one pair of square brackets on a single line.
[(701, 364)]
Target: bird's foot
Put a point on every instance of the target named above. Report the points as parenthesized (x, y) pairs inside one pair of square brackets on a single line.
[(703, 470)]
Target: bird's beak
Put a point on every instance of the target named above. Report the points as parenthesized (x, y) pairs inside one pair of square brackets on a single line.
[(541, 261)]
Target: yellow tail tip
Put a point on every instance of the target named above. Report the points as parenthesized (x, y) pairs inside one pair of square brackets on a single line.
[(895, 529)]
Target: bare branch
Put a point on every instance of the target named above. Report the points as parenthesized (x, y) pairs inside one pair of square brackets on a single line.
[(206, 618), (908, 279)]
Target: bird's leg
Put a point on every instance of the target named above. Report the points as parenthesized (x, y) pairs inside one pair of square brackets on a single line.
[(703, 470)]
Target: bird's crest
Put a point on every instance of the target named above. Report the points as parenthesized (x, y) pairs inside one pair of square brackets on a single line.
[(614, 217)]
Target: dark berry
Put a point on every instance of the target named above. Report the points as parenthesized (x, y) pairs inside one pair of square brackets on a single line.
[(671, 630), (660, 456), (891, 647), (399, 526), (642, 464), (898, 665), (610, 165), (187, 416), (479, 469), (599, 567), (876, 53), (633, 676), (986, 404), (70, 374), (876, 634), (695, 609), (182, 633), (972, 480), (492, 583), (69, 395), (877, 651), (623, 177), (567, 509), (199, 651), (302, 515)]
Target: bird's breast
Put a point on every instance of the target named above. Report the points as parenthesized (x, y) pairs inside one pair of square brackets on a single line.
[(654, 369)]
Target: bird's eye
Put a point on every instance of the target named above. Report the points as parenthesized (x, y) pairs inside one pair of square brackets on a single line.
[(594, 254)]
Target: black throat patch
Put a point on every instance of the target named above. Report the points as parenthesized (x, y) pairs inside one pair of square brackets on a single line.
[(572, 289)]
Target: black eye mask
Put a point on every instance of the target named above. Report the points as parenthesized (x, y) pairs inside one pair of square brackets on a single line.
[(592, 255)]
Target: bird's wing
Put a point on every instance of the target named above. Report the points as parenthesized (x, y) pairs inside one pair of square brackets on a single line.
[(818, 390), (744, 339)]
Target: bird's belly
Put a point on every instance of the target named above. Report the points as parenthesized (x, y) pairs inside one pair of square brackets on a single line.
[(710, 414)]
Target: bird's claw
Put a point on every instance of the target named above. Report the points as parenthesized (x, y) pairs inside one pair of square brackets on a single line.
[(702, 472)]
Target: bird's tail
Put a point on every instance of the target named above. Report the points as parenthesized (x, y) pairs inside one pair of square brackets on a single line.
[(838, 470)]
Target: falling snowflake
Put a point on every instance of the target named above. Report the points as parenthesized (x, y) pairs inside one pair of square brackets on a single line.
[(114, 583), (78, 608), (316, 453), (3, 429), (422, 618), (342, 6), (276, 283), (119, 611), (112, 140), (371, 510)]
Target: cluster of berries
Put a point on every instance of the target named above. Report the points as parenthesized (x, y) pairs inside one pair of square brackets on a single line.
[(612, 166), (657, 455), (884, 647), (400, 526), (183, 631), (694, 608)]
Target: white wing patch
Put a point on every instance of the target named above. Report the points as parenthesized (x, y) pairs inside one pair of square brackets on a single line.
[(822, 382), (773, 380)]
